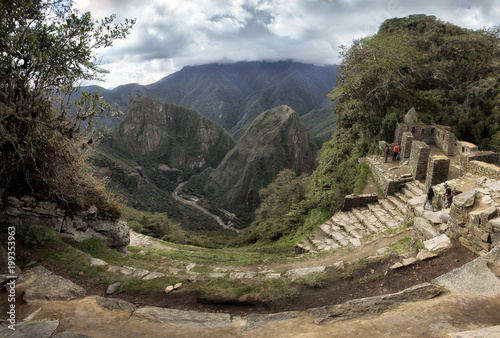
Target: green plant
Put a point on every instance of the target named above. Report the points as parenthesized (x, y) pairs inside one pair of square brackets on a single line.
[(47, 48), (313, 280), (35, 237)]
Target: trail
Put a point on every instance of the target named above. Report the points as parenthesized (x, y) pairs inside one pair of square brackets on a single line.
[(176, 196)]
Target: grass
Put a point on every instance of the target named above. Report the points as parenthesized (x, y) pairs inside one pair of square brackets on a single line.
[(313, 280)]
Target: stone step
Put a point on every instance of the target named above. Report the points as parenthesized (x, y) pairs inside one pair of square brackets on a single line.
[(408, 192), (416, 187), (335, 232), (370, 221), (398, 203), (391, 208), (383, 215), (323, 242)]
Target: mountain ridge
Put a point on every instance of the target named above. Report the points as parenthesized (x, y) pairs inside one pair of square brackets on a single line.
[(234, 94)]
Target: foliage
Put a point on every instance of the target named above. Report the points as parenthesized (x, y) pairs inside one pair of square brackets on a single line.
[(46, 49), (35, 237), (280, 207), (313, 280)]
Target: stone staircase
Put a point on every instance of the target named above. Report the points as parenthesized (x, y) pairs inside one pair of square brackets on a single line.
[(347, 228)]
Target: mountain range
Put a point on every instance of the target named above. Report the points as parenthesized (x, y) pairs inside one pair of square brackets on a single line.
[(232, 95)]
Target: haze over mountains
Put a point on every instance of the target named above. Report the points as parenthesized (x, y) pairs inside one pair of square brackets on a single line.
[(232, 95)]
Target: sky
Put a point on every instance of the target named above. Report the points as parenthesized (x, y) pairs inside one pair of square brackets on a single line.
[(171, 34)]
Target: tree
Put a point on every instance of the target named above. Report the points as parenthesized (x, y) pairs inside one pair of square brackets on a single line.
[(46, 48)]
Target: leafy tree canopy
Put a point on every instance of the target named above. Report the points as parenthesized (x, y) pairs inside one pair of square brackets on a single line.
[(47, 47)]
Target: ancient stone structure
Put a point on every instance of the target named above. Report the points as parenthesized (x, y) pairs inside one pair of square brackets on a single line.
[(406, 141), (357, 201), (72, 228), (418, 159), (437, 170), (474, 217)]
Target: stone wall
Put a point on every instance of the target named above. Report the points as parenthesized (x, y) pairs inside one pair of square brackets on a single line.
[(406, 141), (465, 147), (418, 159), (445, 140), (481, 163), (438, 168), (385, 180), (72, 228), (475, 218), (420, 132), (357, 201), (441, 136)]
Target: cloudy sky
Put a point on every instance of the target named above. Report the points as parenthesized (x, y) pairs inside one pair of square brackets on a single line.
[(171, 34)]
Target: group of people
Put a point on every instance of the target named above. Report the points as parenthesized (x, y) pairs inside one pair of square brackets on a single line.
[(448, 197), (395, 154)]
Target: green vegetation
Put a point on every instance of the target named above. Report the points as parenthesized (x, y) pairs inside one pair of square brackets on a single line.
[(276, 140), (47, 47), (34, 237), (313, 280)]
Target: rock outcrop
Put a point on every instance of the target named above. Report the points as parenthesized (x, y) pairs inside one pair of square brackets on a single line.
[(72, 228)]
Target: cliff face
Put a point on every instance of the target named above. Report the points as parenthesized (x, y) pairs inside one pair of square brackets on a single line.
[(171, 135), (276, 140)]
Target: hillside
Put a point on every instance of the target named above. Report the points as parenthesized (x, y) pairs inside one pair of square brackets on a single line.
[(276, 140), (156, 146), (234, 94)]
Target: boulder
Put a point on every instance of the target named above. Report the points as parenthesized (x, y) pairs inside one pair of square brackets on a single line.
[(438, 243), (465, 199), (40, 329), (44, 285)]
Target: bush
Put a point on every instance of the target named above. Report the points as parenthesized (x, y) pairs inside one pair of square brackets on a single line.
[(35, 237)]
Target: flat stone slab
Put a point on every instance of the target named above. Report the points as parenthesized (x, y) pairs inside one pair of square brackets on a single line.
[(44, 285), (40, 329), (181, 317), (438, 243), (370, 306), (474, 277)]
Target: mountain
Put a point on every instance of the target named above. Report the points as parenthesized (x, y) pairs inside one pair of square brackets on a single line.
[(155, 147), (277, 139), (234, 94)]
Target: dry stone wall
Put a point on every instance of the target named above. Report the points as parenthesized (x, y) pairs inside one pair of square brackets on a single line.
[(418, 159), (475, 218), (72, 228)]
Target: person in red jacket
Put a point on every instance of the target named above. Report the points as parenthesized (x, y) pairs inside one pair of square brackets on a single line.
[(395, 155)]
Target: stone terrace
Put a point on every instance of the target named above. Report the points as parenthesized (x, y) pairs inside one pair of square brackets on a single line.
[(348, 228)]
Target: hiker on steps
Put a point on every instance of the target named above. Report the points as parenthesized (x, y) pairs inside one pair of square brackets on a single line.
[(428, 198)]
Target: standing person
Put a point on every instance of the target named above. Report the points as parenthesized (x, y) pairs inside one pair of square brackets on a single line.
[(428, 198), (448, 196), (386, 152), (395, 155)]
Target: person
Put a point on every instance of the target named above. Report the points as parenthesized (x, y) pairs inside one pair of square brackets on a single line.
[(428, 198), (448, 196), (395, 155), (386, 152)]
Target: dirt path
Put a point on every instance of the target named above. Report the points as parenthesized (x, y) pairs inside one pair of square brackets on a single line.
[(176, 196)]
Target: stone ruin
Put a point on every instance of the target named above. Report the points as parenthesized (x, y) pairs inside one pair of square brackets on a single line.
[(474, 216)]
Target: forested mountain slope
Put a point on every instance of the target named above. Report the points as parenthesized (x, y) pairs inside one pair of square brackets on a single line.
[(234, 94)]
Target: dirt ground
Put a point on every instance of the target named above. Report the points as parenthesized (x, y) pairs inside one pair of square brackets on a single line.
[(372, 279)]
